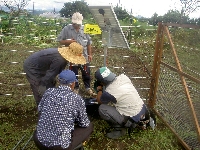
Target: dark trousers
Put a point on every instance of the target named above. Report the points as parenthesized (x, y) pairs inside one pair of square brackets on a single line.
[(111, 115), (35, 82), (85, 70), (34, 87), (79, 135)]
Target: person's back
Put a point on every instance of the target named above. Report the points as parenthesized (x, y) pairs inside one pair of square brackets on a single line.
[(128, 100), (39, 62), (121, 105), (42, 67), (61, 113), (59, 109)]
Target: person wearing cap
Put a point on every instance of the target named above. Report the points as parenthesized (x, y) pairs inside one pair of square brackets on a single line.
[(121, 105), (75, 33), (42, 67), (63, 122)]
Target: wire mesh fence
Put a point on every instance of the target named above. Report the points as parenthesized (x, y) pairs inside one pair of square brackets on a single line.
[(177, 84), (24, 37)]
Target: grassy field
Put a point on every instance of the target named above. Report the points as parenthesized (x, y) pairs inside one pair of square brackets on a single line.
[(18, 112)]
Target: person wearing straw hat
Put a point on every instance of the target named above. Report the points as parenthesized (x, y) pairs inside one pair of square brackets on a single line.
[(63, 123), (75, 33), (42, 67)]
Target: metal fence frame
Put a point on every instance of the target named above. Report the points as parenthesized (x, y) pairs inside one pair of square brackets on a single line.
[(163, 29)]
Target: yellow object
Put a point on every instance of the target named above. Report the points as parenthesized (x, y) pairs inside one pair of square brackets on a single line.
[(73, 53), (84, 143), (92, 29)]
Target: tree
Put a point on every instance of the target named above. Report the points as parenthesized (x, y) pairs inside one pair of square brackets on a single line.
[(155, 19), (173, 16), (77, 6), (121, 14), (194, 21), (82, 7), (15, 6)]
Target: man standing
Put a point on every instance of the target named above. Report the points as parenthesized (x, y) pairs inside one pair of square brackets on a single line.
[(121, 105), (42, 67), (75, 33), (63, 123)]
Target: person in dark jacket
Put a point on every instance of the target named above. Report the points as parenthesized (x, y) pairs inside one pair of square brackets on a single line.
[(42, 67)]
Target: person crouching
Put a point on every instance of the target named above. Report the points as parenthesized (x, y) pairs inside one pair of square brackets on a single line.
[(63, 123)]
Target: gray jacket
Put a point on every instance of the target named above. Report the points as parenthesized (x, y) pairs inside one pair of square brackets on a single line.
[(68, 32), (43, 66)]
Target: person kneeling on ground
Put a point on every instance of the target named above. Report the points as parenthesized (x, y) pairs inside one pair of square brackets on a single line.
[(63, 122), (121, 105)]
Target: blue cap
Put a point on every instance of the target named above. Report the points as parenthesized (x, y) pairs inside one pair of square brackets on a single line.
[(67, 77)]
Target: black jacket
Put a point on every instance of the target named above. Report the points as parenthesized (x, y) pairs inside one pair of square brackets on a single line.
[(43, 66)]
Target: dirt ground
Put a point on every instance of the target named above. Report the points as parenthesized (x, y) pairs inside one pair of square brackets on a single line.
[(18, 108)]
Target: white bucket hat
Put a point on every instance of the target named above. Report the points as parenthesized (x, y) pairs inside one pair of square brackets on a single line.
[(77, 18), (73, 53)]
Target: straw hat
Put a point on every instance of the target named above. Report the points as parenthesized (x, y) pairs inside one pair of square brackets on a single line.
[(73, 53)]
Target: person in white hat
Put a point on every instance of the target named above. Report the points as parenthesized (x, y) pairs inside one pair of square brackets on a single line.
[(63, 122), (42, 67), (75, 33)]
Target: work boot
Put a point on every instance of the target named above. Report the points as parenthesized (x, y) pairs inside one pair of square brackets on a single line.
[(79, 147), (117, 133)]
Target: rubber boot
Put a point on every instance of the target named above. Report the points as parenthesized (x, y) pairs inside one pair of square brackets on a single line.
[(116, 133), (79, 147)]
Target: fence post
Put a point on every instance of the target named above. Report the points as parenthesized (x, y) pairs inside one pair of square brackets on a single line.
[(156, 64)]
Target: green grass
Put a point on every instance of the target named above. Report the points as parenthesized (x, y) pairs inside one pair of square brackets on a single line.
[(19, 122), (18, 113)]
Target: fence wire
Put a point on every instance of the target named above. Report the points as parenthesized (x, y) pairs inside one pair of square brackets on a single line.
[(172, 104), (178, 85), (136, 63)]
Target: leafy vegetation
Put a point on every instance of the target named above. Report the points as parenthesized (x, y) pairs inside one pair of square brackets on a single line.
[(76, 6), (173, 16), (22, 36), (19, 113)]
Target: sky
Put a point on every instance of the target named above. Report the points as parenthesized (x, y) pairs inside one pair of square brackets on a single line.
[(145, 8)]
